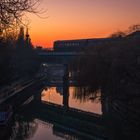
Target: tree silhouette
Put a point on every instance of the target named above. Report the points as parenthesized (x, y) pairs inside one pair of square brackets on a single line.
[(134, 28), (11, 12), (118, 34)]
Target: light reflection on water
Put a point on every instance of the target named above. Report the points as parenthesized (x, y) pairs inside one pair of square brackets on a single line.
[(83, 100), (52, 95), (27, 127), (45, 131), (37, 130)]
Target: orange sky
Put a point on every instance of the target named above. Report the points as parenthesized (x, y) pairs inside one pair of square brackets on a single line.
[(75, 19)]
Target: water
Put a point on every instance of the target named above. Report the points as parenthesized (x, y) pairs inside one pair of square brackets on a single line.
[(30, 126), (55, 113), (26, 127), (32, 123), (38, 130), (89, 103)]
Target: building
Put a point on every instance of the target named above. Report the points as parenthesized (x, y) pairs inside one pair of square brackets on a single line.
[(79, 44), (20, 40), (24, 40), (28, 43)]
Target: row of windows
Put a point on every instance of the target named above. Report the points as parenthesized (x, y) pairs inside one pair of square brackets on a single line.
[(72, 44), (82, 43)]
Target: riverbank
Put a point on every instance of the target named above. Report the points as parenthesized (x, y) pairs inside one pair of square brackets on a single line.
[(17, 87)]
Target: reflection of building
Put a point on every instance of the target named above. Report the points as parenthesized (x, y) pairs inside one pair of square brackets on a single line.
[(24, 129)]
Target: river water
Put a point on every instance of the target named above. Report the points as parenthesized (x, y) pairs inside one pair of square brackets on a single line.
[(89, 103), (28, 126)]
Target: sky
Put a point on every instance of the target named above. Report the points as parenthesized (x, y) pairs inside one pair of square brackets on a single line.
[(76, 19)]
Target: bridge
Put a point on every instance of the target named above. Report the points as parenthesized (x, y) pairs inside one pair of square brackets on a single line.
[(53, 53), (61, 57)]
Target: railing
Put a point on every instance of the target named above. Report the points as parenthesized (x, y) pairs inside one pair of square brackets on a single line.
[(10, 91)]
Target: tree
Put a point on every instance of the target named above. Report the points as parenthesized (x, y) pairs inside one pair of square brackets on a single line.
[(11, 12), (118, 34), (134, 28)]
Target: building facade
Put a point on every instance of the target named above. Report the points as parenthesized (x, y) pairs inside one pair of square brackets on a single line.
[(79, 44)]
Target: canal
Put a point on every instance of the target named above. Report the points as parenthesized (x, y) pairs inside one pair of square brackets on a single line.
[(27, 125), (58, 110), (90, 102), (35, 121)]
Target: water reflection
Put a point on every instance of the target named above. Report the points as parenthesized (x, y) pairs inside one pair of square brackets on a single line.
[(51, 94), (23, 129), (80, 98), (85, 94), (85, 100), (39, 121), (27, 126)]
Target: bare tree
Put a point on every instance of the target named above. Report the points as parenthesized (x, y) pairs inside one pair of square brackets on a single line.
[(12, 11), (134, 28), (118, 34)]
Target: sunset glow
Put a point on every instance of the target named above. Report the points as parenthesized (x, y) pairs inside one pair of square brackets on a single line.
[(75, 19)]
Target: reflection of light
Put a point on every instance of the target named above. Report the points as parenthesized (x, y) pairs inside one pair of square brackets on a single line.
[(59, 90), (80, 101), (45, 92), (70, 74), (51, 95), (44, 64)]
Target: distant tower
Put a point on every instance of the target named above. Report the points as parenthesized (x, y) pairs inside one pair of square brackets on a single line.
[(20, 40), (28, 40)]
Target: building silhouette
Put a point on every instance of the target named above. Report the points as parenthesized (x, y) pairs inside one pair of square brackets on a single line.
[(24, 40), (20, 40), (77, 45), (28, 43)]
